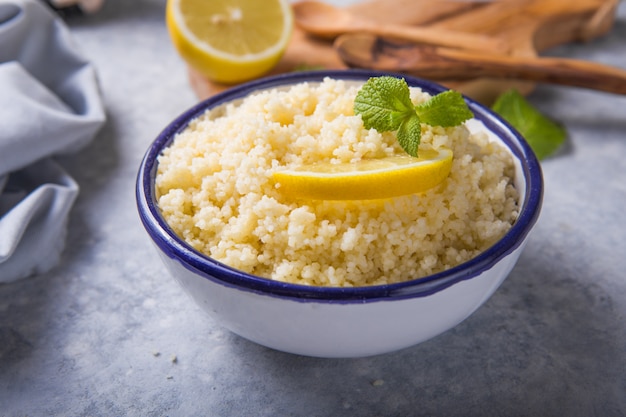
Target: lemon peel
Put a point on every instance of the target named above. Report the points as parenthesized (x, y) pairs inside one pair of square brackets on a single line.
[(367, 179)]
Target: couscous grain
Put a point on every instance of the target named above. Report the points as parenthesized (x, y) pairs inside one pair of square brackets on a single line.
[(214, 189)]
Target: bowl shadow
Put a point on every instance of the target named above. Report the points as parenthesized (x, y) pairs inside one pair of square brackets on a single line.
[(541, 345)]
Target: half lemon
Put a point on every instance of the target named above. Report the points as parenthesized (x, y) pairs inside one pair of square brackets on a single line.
[(367, 179), (230, 41)]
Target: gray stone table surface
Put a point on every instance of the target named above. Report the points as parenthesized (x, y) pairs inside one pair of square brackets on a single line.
[(109, 333)]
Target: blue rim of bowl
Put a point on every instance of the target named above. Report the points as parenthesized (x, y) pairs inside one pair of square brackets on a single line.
[(175, 248)]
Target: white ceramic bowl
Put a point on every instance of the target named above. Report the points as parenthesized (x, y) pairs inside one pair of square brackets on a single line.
[(341, 322)]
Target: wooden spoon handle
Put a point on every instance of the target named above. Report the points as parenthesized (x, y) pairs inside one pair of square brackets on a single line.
[(562, 71), (439, 37), (414, 12), (440, 63)]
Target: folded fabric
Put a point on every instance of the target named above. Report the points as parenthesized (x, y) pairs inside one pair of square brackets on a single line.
[(50, 104)]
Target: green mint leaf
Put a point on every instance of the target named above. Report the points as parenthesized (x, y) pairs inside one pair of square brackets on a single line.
[(384, 103), (410, 134), (543, 134), (446, 109)]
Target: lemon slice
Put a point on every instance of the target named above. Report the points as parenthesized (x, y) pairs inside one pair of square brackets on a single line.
[(367, 179), (230, 41)]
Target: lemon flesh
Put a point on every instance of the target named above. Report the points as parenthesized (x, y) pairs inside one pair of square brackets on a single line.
[(230, 41), (366, 179)]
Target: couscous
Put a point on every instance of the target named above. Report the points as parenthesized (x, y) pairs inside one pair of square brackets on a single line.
[(214, 189)]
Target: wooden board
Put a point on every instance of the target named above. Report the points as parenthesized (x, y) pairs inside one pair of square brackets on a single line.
[(529, 27)]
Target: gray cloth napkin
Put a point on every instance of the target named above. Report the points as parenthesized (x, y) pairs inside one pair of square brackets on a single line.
[(50, 104)]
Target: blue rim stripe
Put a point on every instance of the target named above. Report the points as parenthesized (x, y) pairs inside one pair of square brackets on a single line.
[(175, 248)]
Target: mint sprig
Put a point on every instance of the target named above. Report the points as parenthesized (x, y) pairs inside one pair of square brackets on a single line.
[(542, 134), (384, 104)]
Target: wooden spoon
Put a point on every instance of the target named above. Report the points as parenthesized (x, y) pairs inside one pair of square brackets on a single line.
[(440, 63), (324, 20)]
